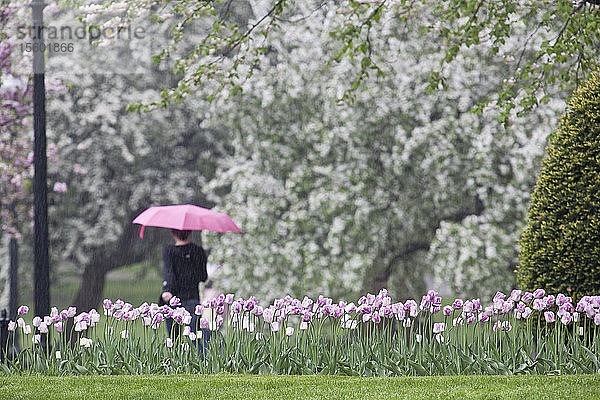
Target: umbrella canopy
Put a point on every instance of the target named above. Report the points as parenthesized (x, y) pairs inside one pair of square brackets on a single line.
[(186, 217)]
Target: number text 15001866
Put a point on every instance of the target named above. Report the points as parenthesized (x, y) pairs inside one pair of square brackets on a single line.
[(55, 47)]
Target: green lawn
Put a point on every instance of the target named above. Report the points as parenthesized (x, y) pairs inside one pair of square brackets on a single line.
[(300, 387), (131, 284)]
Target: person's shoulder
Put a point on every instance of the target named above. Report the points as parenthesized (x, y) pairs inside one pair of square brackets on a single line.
[(196, 247), (168, 248)]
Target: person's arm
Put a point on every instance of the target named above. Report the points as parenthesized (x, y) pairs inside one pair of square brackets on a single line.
[(168, 276), (203, 262)]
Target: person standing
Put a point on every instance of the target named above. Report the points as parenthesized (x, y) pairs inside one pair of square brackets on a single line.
[(184, 267)]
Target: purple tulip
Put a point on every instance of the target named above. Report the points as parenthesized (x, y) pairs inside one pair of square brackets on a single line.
[(174, 302), (438, 327), (458, 304), (12, 326), (566, 318), (483, 317), (307, 316), (199, 309), (527, 297), (376, 317), (468, 307), (339, 311), (527, 312), (539, 304), (203, 323), (350, 308), (401, 314), (22, 310), (499, 296), (549, 316), (447, 310), (539, 293), (515, 295), (229, 298), (597, 319), (307, 302)]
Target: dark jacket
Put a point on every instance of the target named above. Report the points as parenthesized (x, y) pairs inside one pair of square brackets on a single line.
[(184, 267)]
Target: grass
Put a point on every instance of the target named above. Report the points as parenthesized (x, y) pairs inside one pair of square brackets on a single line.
[(135, 284), (300, 387)]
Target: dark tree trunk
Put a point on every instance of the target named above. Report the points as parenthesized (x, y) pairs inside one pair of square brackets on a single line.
[(129, 249), (91, 287)]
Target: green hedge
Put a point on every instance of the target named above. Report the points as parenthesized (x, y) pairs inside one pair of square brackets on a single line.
[(560, 247)]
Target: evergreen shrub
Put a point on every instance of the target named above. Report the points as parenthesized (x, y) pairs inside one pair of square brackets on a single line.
[(560, 247)]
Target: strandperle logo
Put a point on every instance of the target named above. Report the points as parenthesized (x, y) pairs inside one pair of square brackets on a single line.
[(91, 32)]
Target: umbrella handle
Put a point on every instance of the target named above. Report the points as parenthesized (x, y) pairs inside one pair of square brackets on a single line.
[(142, 232)]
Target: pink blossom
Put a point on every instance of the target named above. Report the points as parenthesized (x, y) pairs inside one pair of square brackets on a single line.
[(60, 187)]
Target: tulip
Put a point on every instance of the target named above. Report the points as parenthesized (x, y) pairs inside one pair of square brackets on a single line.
[(458, 304), (43, 328), (539, 293), (58, 327), (289, 331), (375, 317), (22, 310), (27, 329), (12, 326), (174, 302), (21, 322), (549, 316), (566, 319), (303, 325), (58, 355), (597, 319), (447, 310), (527, 297), (275, 326), (203, 323), (36, 339), (192, 336), (199, 309), (169, 343), (515, 295), (36, 321), (439, 327)]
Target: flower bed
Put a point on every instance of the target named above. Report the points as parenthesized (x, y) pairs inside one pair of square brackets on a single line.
[(521, 333)]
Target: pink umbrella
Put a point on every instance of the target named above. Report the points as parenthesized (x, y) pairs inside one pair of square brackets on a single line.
[(186, 217)]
